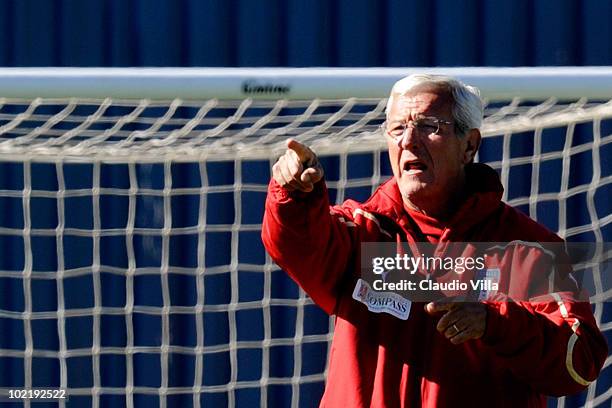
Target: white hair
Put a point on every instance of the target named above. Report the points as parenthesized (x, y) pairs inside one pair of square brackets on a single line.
[(468, 109)]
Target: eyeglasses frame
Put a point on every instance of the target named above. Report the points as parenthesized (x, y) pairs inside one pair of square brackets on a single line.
[(405, 124)]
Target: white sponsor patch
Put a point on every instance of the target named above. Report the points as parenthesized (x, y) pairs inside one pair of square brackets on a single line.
[(382, 302)]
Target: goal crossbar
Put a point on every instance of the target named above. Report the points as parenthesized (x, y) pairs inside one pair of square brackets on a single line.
[(186, 114), (293, 83)]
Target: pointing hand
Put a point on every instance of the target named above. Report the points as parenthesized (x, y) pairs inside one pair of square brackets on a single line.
[(298, 169)]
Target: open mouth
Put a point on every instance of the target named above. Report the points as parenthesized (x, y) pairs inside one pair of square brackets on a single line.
[(414, 166)]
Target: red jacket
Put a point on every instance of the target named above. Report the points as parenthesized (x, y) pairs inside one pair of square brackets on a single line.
[(529, 350)]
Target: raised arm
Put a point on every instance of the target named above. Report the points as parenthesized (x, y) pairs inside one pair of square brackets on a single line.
[(299, 232)]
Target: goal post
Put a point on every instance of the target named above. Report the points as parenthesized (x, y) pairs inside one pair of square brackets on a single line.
[(131, 268)]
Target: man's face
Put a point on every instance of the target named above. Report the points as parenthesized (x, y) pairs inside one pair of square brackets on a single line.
[(428, 166)]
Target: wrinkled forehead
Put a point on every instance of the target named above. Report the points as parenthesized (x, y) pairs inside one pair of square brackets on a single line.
[(425, 100)]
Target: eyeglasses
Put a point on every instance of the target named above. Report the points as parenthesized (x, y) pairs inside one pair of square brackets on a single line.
[(422, 126)]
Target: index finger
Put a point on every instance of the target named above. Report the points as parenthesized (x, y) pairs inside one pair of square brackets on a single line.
[(303, 152), (444, 304)]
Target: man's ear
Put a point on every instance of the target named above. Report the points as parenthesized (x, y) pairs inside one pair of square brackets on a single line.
[(472, 140)]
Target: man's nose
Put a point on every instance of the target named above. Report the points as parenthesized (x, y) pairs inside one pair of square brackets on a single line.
[(409, 138)]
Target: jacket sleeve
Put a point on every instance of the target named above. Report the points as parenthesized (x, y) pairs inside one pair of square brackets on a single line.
[(552, 343), (313, 246)]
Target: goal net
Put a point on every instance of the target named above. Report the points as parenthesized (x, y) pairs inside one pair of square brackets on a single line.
[(131, 267)]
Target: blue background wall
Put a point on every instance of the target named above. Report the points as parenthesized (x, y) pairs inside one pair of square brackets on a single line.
[(305, 32)]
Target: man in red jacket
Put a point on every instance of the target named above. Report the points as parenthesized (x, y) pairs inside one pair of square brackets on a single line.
[(389, 351)]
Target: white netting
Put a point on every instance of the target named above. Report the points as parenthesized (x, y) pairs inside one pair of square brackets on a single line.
[(186, 130), (130, 237)]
